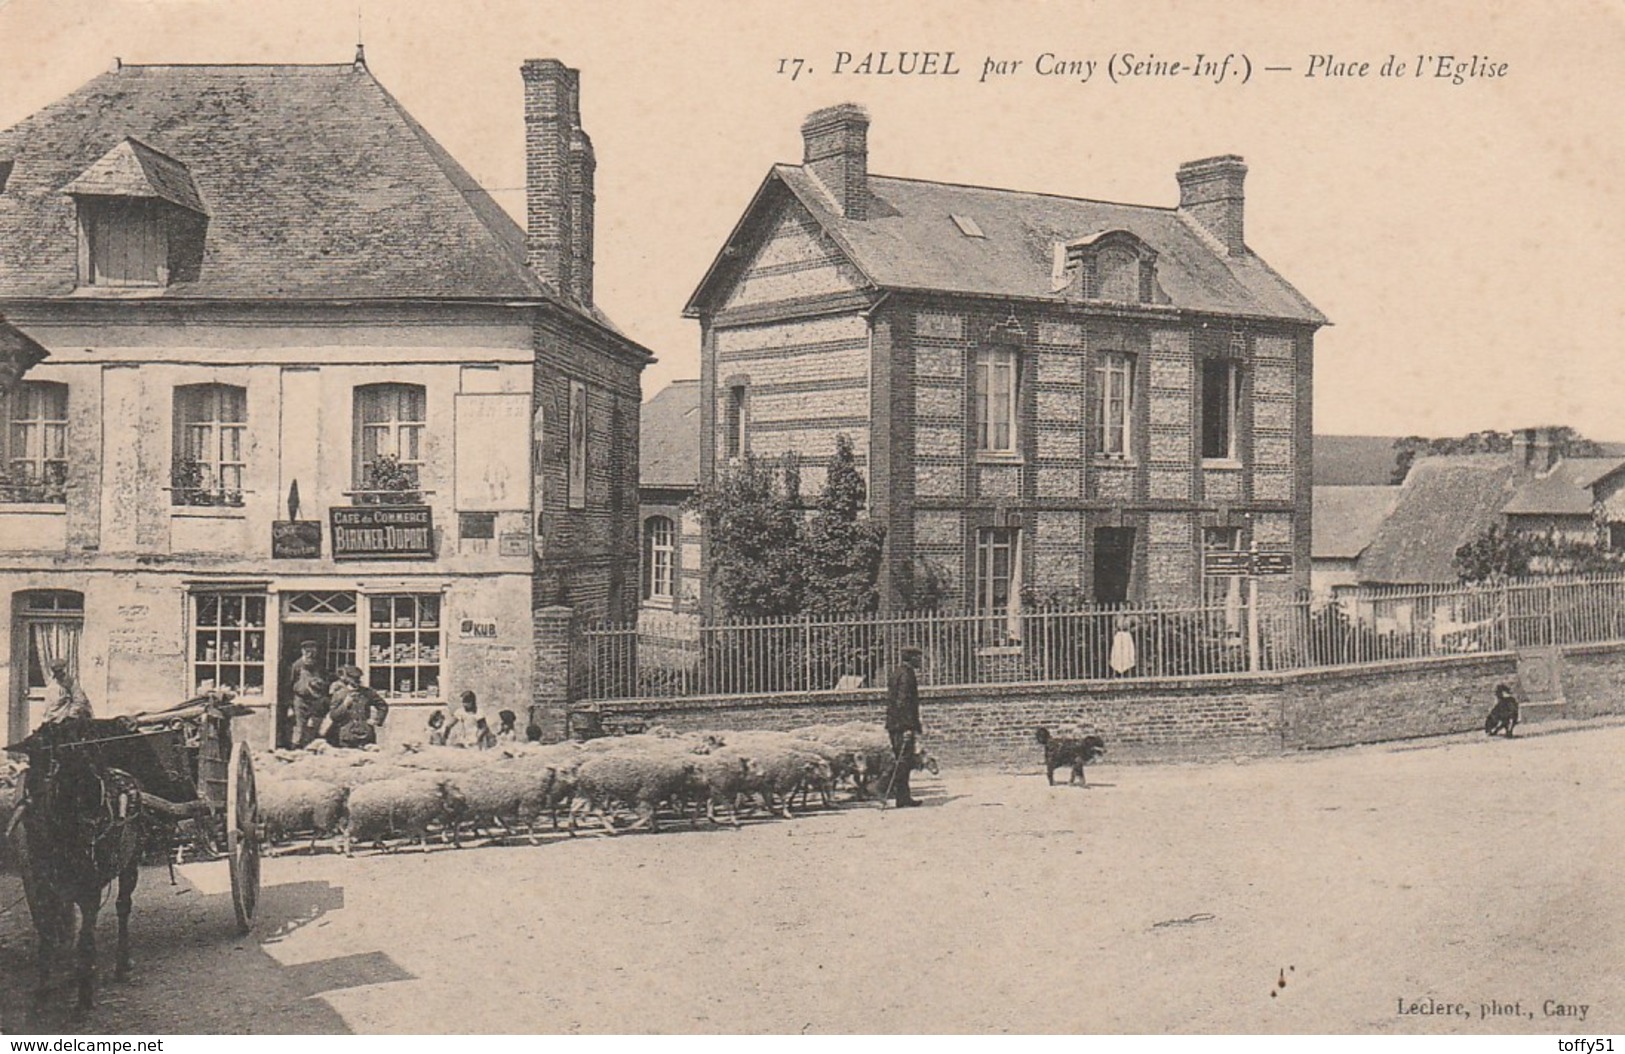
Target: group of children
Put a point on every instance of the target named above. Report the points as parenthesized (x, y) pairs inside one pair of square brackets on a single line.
[(469, 727)]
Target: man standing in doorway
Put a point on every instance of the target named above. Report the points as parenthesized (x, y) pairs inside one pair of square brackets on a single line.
[(903, 721), (310, 687)]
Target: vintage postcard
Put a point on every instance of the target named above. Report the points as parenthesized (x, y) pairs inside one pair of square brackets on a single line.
[(811, 518)]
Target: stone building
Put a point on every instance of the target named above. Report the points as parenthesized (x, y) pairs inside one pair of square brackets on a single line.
[(306, 381), (1051, 397), (669, 474)]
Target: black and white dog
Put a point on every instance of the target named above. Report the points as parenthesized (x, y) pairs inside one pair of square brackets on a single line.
[(1504, 714)]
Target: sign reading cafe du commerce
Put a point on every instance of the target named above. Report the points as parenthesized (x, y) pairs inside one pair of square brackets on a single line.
[(384, 532)]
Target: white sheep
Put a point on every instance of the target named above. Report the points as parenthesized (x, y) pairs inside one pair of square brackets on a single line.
[(293, 806), (787, 765), (722, 777), (405, 807), (643, 778), (503, 792)]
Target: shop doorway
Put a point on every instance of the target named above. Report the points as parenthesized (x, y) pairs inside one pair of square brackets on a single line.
[(47, 625), (328, 620)]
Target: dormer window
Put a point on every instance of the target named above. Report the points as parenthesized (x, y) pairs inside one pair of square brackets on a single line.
[(1113, 265), (141, 221)]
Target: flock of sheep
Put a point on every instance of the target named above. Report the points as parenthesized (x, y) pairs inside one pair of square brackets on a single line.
[(372, 796)]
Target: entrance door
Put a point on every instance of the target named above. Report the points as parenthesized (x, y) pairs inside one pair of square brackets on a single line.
[(46, 626), (1114, 564), (328, 620)]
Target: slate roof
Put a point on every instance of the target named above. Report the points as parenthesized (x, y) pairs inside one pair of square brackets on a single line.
[(1564, 491), (1346, 519), (1443, 503), (316, 182), (669, 444), (911, 241)]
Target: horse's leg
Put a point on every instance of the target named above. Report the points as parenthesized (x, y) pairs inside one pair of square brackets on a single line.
[(48, 933), (126, 892), (88, 910)]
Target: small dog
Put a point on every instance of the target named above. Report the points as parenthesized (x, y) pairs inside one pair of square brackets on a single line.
[(1071, 751), (1504, 714)]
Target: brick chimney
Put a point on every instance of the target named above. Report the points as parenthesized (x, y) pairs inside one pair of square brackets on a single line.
[(1535, 449), (835, 149), (1210, 194), (559, 168)]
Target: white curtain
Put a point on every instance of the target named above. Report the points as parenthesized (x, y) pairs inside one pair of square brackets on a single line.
[(1012, 620), (56, 639)]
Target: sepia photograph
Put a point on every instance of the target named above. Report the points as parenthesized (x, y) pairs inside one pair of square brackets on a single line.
[(778, 518)]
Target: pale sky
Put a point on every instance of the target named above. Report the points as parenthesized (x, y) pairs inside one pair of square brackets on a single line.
[(1467, 241)]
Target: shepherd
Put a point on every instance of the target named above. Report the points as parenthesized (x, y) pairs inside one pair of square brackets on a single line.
[(903, 721)]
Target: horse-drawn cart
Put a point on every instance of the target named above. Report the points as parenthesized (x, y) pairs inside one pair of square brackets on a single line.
[(98, 793)]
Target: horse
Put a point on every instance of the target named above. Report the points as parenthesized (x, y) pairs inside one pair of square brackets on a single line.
[(83, 824)]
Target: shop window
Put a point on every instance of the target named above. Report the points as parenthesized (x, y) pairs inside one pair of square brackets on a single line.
[(659, 558), (211, 422), (391, 421), (35, 438), (228, 642), (996, 400), (1114, 377), (404, 645)]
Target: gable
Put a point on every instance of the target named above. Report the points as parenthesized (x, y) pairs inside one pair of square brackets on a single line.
[(793, 261)]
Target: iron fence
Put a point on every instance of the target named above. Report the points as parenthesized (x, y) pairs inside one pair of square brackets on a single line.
[(662, 656)]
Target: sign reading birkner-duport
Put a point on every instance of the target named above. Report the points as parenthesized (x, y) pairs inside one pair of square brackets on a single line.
[(382, 532)]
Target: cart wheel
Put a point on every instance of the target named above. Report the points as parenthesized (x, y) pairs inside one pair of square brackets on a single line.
[(243, 836)]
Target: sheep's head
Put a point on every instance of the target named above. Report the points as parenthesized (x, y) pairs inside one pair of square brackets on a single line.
[(926, 760), (751, 769)]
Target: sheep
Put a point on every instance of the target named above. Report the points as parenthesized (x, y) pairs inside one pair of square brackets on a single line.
[(868, 744), (787, 765), (642, 778), (506, 791), (400, 807), (722, 777), (291, 806)]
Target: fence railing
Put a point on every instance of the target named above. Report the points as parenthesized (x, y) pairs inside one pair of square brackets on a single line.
[(669, 658)]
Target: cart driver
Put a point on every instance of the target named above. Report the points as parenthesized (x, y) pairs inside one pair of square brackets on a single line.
[(64, 699)]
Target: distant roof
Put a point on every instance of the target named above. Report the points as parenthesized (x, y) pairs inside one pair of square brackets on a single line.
[(1564, 491), (912, 240), (1343, 461), (1346, 519), (669, 450), (316, 182), (1444, 503)]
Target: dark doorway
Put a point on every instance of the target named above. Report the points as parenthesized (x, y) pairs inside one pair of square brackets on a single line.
[(1114, 564)]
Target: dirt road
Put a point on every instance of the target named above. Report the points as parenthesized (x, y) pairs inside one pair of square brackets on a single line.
[(1328, 892)]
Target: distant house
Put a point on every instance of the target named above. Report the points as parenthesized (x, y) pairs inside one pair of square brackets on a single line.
[(669, 473), (1447, 501), (1346, 519)]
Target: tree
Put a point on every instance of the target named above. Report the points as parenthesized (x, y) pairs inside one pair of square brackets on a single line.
[(842, 547), (1565, 440), (753, 523), (1493, 555)]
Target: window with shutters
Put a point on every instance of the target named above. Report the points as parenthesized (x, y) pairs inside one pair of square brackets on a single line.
[(126, 243)]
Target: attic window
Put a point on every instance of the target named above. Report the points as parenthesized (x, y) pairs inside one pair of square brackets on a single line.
[(125, 243), (141, 221), (966, 225), (5, 174)]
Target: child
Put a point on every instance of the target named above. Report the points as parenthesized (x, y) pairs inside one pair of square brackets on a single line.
[(463, 729), (437, 728), (506, 730), (533, 733)]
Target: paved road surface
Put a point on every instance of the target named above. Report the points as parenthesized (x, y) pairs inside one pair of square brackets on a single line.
[(1306, 894)]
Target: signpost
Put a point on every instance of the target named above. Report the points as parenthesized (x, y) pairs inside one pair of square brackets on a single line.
[(1251, 564)]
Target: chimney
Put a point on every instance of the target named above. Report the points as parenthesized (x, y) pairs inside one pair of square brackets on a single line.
[(1210, 194), (835, 149), (1535, 449), (550, 127), (582, 166)]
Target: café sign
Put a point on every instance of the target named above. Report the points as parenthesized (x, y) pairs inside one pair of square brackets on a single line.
[(382, 532)]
